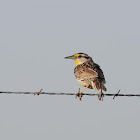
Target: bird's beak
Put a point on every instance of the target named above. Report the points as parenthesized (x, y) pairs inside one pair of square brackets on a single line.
[(70, 57)]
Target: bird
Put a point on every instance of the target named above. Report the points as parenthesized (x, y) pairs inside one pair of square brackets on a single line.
[(88, 74)]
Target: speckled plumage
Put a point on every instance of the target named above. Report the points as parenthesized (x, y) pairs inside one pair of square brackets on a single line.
[(90, 73)]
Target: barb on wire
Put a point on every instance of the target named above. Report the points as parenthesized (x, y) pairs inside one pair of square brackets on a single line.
[(37, 93), (51, 93), (116, 94)]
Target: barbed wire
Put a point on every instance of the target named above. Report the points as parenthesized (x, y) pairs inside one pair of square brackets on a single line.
[(84, 94)]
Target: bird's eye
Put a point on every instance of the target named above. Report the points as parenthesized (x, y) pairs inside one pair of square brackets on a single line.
[(79, 56)]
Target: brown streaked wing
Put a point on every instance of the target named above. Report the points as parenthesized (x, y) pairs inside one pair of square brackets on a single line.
[(94, 70), (90, 73), (97, 68), (85, 70)]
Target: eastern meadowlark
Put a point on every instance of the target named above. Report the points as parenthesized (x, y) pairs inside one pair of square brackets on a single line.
[(88, 74)]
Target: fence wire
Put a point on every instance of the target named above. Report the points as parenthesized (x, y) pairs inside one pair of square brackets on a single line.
[(84, 94)]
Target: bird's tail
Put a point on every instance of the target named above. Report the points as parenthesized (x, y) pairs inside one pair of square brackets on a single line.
[(104, 88), (98, 85)]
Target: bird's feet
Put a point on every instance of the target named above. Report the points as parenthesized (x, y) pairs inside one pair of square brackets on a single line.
[(79, 95), (100, 96)]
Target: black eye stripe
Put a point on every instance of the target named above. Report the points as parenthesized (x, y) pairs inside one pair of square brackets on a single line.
[(83, 56)]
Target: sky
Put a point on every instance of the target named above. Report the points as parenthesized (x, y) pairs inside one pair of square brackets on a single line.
[(35, 36)]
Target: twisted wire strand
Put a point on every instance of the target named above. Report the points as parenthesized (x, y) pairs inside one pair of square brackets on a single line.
[(51, 93)]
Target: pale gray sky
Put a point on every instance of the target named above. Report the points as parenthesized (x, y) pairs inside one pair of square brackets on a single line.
[(35, 36)]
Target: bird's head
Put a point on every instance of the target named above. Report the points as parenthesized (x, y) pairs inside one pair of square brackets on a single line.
[(79, 58)]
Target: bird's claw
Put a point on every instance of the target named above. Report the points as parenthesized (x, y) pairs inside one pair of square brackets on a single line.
[(100, 96), (79, 95)]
